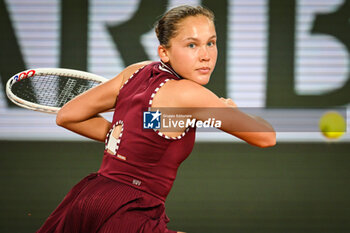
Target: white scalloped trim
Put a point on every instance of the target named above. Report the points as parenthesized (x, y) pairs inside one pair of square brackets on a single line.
[(149, 108), (131, 77), (120, 122)]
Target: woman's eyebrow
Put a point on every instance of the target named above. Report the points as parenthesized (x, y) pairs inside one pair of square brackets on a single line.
[(196, 39)]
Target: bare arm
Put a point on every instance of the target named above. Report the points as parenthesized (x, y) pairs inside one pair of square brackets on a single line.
[(81, 115), (229, 102), (202, 104)]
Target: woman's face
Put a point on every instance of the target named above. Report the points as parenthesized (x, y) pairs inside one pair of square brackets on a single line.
[(192, 52)]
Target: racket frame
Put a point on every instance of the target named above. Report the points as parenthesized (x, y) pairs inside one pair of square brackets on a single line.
[(45, 71)]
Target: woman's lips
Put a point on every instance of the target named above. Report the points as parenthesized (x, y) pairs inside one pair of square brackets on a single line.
[(203, 70)]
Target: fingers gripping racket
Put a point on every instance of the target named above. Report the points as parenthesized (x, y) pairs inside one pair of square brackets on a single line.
[(48, 89)]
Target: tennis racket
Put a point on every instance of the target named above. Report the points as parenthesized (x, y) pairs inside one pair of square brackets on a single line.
[(48, 89)]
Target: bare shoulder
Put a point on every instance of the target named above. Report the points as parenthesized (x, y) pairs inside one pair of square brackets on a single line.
[(111, 87), (138, 65), (186, 93), (192, 94), (128, 71), (116, 82)]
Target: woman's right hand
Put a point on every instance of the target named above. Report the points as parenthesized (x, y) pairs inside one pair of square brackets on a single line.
[(229, 102)]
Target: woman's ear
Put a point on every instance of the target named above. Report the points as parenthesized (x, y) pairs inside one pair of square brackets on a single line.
[(163, 54)]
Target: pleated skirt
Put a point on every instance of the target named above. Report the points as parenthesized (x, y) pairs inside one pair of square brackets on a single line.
[(100, 205)]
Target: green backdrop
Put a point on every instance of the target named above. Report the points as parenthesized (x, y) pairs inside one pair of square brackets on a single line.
[(228, 187)]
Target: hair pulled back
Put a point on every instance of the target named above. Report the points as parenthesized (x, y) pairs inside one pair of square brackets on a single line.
[(167, 27)]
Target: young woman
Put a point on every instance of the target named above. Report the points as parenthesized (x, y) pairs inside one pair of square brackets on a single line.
[(139, 166)]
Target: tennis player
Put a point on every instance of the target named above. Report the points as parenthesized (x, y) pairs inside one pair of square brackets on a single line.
[(139, 166)]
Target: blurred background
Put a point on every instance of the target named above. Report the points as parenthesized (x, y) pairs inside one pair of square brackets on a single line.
[(273, 55)]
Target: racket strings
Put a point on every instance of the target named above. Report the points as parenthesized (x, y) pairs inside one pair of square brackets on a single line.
[(51, 90)]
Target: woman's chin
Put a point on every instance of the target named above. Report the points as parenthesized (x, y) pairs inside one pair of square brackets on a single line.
[(202, 80), (199, 79)]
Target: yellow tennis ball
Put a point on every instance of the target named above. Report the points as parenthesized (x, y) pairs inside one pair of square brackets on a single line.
[(332, 125)]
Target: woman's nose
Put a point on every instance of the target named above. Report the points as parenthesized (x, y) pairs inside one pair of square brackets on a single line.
[(204, 54)]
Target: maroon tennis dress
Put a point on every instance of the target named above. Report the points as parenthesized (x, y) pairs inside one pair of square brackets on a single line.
[(137, 172)]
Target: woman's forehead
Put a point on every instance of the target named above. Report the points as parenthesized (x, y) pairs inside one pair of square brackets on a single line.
[(195, 26)]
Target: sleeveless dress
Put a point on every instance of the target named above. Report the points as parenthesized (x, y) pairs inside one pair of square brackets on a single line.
[(139, 167)]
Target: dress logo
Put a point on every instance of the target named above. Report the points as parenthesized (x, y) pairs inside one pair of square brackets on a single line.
[(136, 182)]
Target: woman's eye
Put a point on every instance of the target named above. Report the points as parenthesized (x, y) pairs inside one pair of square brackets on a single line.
[(191, 45), (211, 43)]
